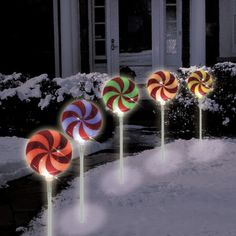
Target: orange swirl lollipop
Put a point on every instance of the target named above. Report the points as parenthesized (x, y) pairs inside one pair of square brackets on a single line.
[(162, 86), (200, 83)]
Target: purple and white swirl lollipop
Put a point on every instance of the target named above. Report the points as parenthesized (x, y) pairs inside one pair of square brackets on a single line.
[(81, 120)]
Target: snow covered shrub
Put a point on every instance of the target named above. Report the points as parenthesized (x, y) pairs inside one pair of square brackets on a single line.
[(11, 81), (219, 107), (27, 103), (225, 94)]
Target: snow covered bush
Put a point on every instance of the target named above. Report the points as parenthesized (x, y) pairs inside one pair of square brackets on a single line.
[(27, 103), (47, 90), (225, 93), (219, 107)]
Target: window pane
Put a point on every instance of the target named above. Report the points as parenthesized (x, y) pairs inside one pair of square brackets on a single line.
[(100, 31), (170, 13), (135, 25), (99, 14), (100, 48), (171, 47), (99, 2), (171, 28), (170, 1)]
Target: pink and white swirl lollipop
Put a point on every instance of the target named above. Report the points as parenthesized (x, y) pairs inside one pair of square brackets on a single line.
[(81, 120)]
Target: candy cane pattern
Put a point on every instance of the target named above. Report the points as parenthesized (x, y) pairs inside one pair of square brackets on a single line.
[(120, 94), (200, 83), (162, 86), (48, 153), (81, 120)]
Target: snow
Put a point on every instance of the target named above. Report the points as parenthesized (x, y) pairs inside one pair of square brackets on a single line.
[(227, 67), (6, 78), (44, 102), (191, 192), (226, 121), (12, 157), (12, 162), (186, 71), (87, 86), (80, 85)]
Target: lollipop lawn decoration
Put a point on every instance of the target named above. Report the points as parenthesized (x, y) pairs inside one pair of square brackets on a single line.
[(120, 95), (48, 153), (82, 121), (200, 83), (162, 86)]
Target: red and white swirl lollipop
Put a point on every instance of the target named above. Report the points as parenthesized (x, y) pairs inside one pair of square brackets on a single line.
[(81, 120), (48, 153), (162, 86)]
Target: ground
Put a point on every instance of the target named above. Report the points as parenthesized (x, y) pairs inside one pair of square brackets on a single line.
[(191, 192)]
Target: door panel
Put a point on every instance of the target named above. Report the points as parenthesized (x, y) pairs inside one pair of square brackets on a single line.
[(135, 36)]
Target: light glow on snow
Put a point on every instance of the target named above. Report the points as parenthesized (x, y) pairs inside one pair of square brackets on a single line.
[(95, 218), (155, 165), (176, 197), (111, 185)]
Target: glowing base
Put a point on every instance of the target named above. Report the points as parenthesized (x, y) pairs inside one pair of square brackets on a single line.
[(81, 198), (49, 196)]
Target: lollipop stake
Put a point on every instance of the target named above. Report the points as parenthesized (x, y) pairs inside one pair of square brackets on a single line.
[(120, 95), (49, 195), (121, 149), (162, 132), (82, 121), (48, 153), (162, 86), (200, 119), (81, 147), (200, 83)]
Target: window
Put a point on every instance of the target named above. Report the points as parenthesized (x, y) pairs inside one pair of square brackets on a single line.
[(171, 27), (99, 30)]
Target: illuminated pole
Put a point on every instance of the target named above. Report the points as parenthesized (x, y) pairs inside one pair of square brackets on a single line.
[(81, 147), (162, 132), (121, 149), (49, 196), (200, 120)]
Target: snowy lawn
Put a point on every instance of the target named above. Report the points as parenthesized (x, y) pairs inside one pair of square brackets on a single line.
[(12, 157), (191, 193)]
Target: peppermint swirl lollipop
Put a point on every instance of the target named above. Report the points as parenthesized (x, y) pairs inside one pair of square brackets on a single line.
[(200, 83), (120, 94), (48, 153), (81, 120), (162, 86)]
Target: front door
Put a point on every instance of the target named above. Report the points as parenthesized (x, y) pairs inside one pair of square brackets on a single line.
[(129, 36), (143, 35)]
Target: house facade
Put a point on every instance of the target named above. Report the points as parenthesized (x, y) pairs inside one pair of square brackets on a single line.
[(144, 34), (105, 35)]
